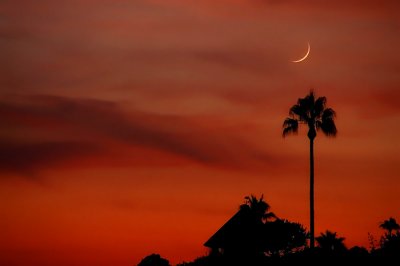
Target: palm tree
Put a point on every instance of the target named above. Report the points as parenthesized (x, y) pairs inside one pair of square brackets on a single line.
[(330, 242), (316, 116), (259, 208), (254, 214), (390, 225)]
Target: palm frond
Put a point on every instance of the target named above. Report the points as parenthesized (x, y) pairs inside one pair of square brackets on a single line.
[(312, 112), (328, 127), (297, 111), (319, 106), (306, 107), (328, 113), (390, 225), (307, 102), (290, 125), (318, 124), (331, 241)]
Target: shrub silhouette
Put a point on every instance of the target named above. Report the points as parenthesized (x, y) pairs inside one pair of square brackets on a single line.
[(330, 243), (154, 260), (283, 237), (390, 245)]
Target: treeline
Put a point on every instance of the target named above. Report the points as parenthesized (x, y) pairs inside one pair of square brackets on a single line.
[(255, 236)]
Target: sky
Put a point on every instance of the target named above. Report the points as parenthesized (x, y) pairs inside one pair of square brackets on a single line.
[(137, 127)]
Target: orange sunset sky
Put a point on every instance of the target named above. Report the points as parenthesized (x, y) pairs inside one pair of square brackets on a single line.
[(137, 127)]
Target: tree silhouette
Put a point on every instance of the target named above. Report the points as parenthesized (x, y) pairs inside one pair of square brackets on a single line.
[(390, 245), (283, 237), (390, 225), (258, 207), (330, 242), (316, 116), (154, 260)]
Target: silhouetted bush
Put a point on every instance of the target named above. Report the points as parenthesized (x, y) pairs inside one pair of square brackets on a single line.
[(358, 252), (330, 244), (283, 237), (154, 260), (390, 245)]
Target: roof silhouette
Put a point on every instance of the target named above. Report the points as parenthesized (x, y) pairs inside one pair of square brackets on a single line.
[(241, 232)]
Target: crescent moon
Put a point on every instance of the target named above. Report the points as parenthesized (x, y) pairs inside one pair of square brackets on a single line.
[(304, 57)]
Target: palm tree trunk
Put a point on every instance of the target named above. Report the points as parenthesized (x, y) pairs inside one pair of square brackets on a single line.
[(312, 193)]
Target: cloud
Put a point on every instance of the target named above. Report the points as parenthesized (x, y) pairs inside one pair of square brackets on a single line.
[(42, 129), (26, 158)]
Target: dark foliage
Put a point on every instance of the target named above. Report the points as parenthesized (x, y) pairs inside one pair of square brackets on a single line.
[(330, 244), (390, 225), (154, 260), (390, 245), (277, 242), (283, 237), (312, 112)]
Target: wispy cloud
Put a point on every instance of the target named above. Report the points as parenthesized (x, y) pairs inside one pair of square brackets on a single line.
[(26, 158), (43, 129)]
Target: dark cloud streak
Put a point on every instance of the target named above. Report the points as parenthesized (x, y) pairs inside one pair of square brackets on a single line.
[(27, 158), (89, 123)]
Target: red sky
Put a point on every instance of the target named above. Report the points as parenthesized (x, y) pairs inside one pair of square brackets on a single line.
[(137, 127)]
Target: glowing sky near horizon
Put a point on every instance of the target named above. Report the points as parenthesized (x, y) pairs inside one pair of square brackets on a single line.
[(137, 127)]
